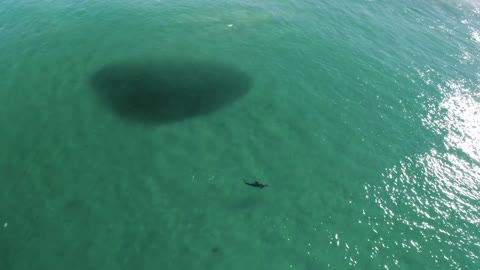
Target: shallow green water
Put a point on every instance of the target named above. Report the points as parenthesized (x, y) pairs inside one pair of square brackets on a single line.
[(128, 127)]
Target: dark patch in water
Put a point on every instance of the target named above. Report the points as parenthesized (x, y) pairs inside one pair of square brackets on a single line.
[(156, 92), (215, 249)]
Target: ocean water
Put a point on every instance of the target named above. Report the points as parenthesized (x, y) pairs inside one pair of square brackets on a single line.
[(127, 129)]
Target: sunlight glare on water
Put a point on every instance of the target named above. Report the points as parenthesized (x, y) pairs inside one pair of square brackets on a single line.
[(441, 186)]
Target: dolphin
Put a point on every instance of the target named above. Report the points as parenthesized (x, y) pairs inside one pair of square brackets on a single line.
[(256, 184)]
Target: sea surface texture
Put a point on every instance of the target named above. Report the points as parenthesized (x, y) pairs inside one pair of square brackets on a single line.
[(128, 128)]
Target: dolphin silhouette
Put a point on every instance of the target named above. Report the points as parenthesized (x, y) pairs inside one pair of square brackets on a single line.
[(256, 184)]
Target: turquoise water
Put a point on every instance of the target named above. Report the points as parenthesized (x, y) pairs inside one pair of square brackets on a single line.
[(128, 127)]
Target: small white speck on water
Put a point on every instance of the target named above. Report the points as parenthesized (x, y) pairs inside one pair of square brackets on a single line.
[(230, 25), (5, 225)]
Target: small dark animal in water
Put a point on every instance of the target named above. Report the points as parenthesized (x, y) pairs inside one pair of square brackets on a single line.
[(256, 184)]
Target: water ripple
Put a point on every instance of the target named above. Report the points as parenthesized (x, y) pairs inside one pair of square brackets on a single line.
[(432, 198)]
